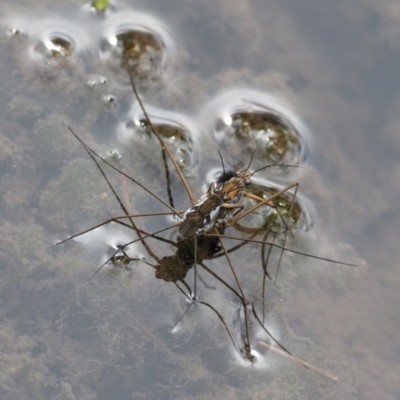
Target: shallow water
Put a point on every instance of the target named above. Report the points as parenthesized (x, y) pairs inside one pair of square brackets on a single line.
[(334, 66)]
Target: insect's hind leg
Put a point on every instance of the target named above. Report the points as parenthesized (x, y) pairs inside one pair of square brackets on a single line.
[(164, 147), (247, 345), (267, 202), (116, 220)]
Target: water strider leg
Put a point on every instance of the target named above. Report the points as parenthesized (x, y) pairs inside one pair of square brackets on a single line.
[(116, 220), (247, 346), (162, 143)]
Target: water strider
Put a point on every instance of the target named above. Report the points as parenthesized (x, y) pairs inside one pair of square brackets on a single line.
[(202, 226), (201, 230), (124, 318)]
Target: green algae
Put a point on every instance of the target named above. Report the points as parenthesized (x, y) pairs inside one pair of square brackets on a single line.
[(100, 5)]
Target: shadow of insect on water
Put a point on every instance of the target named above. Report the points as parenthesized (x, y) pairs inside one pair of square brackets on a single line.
[(202, 233)]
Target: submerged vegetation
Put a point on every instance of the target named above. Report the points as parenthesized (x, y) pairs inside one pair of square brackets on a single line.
[(67, 336)]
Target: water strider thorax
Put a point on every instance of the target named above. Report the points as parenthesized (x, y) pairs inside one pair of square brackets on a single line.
[(216, 207)]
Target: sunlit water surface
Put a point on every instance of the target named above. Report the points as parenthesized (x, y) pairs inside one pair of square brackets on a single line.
[(325, 73)]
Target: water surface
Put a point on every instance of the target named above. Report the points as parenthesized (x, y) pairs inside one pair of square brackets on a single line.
[(334, 66)]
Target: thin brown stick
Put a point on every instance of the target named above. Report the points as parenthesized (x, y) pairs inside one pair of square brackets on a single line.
[(298, 361)]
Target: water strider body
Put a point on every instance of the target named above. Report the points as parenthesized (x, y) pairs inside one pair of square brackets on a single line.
[(222, 202), (201, 231), (174, 268), (209, 211)]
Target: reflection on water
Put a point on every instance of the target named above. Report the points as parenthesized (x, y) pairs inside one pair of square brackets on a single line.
[(115, 336), (138, 38), (179, 132), (248, 120)]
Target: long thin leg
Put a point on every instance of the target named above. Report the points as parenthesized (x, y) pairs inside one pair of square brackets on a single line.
[(117, 220), (92, 155), (284, 238), (243, 298), (234, 248), (121, 172), (264, 260), (162, 143), (195, 270), (216, 312), (223, 322), (284, 248), (287, 353), (299, 361), (265, 201), (272, 205), (186, 311), (132, 242), (218, 278), (264, 263)]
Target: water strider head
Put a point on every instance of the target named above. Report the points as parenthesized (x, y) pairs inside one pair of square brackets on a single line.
[(232, 185)]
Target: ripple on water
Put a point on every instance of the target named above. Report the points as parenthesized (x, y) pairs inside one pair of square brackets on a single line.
[(116, 258), (180, 134), (52, 43), (243, 120), (267, 219), (135, 40), (120, 39)]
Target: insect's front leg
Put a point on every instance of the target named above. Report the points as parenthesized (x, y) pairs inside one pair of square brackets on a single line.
[(270, 204), (212, 187), (226, 217), (232, 206), (259, 199)]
